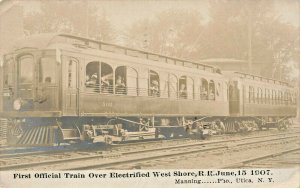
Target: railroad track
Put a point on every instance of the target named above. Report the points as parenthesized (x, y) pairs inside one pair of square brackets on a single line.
[(109, 159), (271, 159), (144, 160), (12, 152)]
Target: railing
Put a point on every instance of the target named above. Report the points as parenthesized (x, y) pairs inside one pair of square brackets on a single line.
[(146, 92), (271, 101)]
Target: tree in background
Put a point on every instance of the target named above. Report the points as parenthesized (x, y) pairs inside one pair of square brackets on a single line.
[(232, 26), (171, 33), (272, 42), (74, 17), (182, 33)]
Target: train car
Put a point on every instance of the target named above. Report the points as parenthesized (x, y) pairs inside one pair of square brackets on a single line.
[(59, 88), (267, 102)]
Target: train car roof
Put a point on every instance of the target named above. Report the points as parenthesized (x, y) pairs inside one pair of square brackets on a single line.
[(259, 78), (222, 60), (39, 41), (44, 41)]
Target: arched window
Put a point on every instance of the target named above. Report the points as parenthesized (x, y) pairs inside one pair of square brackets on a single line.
[(190, 88), (126, 81), (273, 97), (132, 81), (251, 94), (186, 87), (121, 80), (204, 89), (285, 97), (211, 90), (266, 97), (290, 101), (183, 87), (154, 84), (172, 86), (262, 96), (219, 90), (26, 69), (259, 95), (92, 77), (279, 97), (106, 78)]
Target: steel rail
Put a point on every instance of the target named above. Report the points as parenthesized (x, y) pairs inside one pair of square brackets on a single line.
[(117, 153), (262, 157)]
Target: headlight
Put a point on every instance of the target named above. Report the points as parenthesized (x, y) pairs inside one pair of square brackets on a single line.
[(17, 104)]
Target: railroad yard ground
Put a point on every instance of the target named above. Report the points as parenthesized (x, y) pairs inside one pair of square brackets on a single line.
[(259, 149)]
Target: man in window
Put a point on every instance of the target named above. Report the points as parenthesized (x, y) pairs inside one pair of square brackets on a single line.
[(204, 94), (154, 88), (182, 91), (211, 94), (120, 85), (92, 80)]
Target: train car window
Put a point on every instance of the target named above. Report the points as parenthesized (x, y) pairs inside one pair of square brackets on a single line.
[(262, 96), (132, 81), (126, 81), (226, 91), (251, 94), (26, 65), (8, 73), (284, 97), (47, 70), (186, 87), (204, 89), (280, 97), (172, 86), (294, 98), (72, 74), (212, 90), (265, 97), (218, 90), (183, 87), (154, 84), (92, 77), (290, 97), (259, 95), (273, 97), (121, 80), (106, 79), (277, 98), (269, 96), (190, 88)]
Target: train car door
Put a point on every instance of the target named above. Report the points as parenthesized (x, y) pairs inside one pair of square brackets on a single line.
[(71, 86), (234, 98)]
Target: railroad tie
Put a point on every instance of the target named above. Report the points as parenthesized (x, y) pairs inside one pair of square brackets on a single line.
[(42, 137), (33, 136), (24, 137), (46, 138)]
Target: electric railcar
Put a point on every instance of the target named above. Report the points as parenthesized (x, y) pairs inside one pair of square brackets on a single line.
[(63, 88)]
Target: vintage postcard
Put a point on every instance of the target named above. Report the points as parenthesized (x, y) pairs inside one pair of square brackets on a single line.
[(170, 93)]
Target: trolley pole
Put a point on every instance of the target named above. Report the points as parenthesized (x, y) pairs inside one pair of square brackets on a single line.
[(87, 18), (249, 39)]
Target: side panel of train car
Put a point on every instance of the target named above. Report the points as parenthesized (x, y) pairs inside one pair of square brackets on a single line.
[(71, 81), (137, 95), (257, 97)]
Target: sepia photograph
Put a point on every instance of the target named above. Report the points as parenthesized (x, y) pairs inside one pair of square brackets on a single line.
[(150, 93)]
